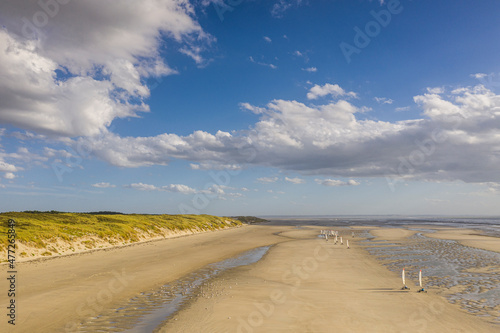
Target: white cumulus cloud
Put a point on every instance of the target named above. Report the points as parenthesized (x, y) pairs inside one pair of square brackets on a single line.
[(103, 185), (179, 188), (383, 100), (267, 180), (281, 6), (9, 175), (435, 90), (295, 180), (328, 89), (336, 182)]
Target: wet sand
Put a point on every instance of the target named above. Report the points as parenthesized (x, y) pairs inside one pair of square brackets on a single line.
[(462, 269), (302, 284), (310, 285)]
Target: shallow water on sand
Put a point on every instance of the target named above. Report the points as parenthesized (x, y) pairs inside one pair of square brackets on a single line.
[(149, 310), (471, 276)]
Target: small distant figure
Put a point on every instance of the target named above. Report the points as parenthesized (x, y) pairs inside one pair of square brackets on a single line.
[(404, 281), (347, 243), (341, 242), (421, 290), (353, 234)]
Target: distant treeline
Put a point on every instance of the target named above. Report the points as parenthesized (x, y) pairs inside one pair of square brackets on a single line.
[(42, 212), (105, 212), (249, 219)]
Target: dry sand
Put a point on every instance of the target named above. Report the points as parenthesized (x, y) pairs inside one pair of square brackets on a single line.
[(303, 284)]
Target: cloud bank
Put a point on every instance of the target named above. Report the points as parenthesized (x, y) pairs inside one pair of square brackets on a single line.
[(457, 138)]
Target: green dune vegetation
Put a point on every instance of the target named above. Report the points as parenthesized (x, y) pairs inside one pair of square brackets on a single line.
[(55, 233)]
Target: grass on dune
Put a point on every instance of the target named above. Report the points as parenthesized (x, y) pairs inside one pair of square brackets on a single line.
[(40, 228)]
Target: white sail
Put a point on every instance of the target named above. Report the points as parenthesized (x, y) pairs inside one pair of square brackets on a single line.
[(420, 278), (403, 276)]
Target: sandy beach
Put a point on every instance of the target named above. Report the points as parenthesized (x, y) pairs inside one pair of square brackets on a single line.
[(302, 284)]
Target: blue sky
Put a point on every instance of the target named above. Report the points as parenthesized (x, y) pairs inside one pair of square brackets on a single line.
[(250, 107)]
